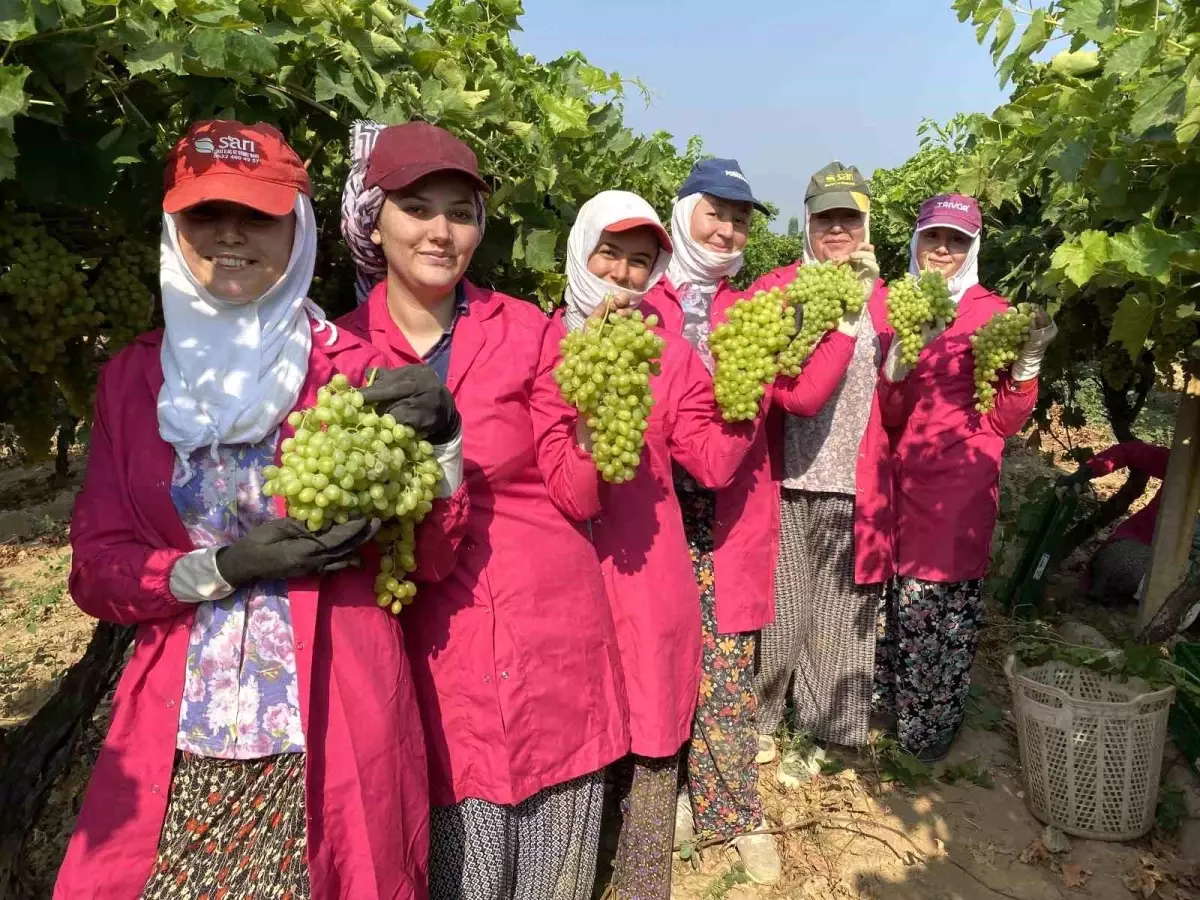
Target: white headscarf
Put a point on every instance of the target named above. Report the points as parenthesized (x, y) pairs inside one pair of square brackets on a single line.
[(233, 371), (693, 264), (809, 257), (585, 291), (967, 275)]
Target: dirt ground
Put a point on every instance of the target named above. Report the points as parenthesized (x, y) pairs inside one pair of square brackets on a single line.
[(862, 837)]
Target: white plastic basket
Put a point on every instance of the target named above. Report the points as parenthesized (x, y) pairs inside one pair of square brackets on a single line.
[(1091, 748)]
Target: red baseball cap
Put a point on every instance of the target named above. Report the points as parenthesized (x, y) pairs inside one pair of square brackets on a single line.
[(407, 153), (957, 211), (224, 160), (664, 239)]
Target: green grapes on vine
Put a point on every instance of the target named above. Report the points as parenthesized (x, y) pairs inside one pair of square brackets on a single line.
[(917, 307), (745, 349), (995, 344), (824, 291), (120, 292), (345, 460), (605, 374)]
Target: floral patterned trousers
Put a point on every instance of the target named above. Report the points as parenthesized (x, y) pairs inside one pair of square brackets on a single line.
[(722, 775), (928, 635)]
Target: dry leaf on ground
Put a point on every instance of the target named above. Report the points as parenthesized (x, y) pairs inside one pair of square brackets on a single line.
[(1075, 876), (1035, 853)]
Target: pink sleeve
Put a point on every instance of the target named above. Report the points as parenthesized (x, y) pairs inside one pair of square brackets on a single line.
[(114, 576), (806, 393), (1136, 455), (1014, 404), (440, 535), (711, 449), (569, 473)]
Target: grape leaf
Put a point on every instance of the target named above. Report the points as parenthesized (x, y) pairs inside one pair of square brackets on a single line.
[(1005, 27), (539, 250), (1131, 54), (1131, 324), (566, 116), (1159, 101), (152, 57), (1083, 16), (1146, 250), (1081, 260), (13, 99), (16, 20)]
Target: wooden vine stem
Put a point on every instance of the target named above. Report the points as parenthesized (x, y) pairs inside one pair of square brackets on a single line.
[(1180, 501)]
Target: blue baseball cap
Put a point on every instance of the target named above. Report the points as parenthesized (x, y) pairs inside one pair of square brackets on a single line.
[(720, 178)]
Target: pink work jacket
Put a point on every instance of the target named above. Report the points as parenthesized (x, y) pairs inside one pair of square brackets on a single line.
[(514, 653), (746, 531), (947, 455), (644, 553), (366, 795), (1137, 456)]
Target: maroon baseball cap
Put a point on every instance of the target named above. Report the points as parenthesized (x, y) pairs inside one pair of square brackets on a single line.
[(220, 159), (407, 153), (957, 211)]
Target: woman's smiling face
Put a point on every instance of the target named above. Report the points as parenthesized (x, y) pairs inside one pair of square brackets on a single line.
[(234, 252)]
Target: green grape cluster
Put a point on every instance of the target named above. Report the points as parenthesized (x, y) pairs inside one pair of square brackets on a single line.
[(916, 305), (345, 460), (121, 294), (605, 374), (995, 344), (824, 291), (745, 349), (45, 303)]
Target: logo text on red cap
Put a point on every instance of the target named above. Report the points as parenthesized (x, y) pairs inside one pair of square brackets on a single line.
[(229, 149)]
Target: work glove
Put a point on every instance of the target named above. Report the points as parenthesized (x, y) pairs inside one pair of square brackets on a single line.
[(865, 267), (1029, 358), (416, 397), (1080, 477), (285, 548)]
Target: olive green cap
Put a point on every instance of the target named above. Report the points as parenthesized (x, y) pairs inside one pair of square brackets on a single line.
[(838, 187)]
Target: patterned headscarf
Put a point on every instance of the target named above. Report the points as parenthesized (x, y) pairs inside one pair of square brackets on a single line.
[(361, 207)]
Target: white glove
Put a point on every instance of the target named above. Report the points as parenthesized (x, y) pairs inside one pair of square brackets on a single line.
[(894, 368), (849, 322), (195, 577), (1029, 360), (583, 436), (450, 458), (865, 267)]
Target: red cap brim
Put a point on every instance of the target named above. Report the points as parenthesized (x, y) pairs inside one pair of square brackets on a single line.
[(399, 179), (231, 187), (629, 224), (949, 220)]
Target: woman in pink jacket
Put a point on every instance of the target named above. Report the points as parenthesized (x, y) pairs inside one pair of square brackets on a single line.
[(947, 472), (617, 250), (514, 653), (265, 740), (733, 532), (835, 543)]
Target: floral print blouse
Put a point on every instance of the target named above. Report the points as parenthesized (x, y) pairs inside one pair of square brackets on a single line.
[(241, 698)]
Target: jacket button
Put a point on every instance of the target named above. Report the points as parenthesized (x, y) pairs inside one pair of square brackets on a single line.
[(170, 704), (300, 645), (504, 675), (154, 788), (487, 679)]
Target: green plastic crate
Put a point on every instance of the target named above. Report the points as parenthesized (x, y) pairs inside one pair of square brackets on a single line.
[(1185, 714), (1025, 590)]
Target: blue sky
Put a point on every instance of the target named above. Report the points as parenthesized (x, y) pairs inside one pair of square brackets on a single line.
[(784, 86)]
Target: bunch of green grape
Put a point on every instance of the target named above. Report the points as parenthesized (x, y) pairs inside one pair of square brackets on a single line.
[(44, 303), (916, 306), (824, 291), (995, 344), (745, 349), (121, 294), (344, 461), (605, 374)]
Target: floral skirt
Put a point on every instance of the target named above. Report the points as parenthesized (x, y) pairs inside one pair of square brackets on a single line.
[(642, 870), (722, 775), (234, 828), (928, 635)]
